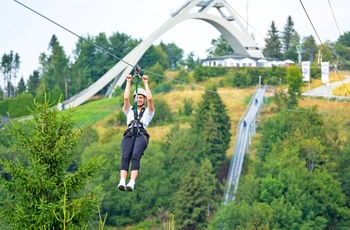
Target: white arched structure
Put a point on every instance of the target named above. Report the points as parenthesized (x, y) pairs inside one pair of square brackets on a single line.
[(215, 12)]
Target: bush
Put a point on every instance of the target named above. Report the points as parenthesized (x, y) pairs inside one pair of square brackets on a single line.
[(162, 114), (118, 91), (202, 73), (182, 76), (21, 105), (4, 108), (315, 72), (120, 118), (164, 87), (188, 107), (272, 81), (17, 107)]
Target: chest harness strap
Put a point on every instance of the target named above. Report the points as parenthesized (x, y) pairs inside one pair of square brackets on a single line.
[(136, 124)]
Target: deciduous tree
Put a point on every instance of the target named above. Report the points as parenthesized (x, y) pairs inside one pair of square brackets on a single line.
[(220, 47), (10, 64), (310, 48)]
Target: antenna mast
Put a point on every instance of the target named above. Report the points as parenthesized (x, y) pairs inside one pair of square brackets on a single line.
[(247, 14)]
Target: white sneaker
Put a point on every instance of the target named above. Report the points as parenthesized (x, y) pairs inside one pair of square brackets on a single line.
[(130, 186), (121, 186)]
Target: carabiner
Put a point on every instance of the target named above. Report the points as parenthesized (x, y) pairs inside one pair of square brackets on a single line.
[(137, 69)]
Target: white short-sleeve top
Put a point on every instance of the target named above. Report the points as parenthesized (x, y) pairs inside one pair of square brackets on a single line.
[(145, 119)]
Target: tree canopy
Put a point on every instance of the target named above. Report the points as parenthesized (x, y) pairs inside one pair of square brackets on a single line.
[(38, 191)]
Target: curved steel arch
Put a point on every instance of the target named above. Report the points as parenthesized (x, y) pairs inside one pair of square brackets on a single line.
[(227, 24)]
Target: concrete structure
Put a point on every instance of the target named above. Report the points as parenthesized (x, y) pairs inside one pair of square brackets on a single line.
[(215, 12)]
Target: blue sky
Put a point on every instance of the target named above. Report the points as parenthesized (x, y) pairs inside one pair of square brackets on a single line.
[(28, 34)]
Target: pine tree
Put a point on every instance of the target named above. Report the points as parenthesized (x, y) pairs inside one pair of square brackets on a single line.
[(38, 191), (196, 198), (55, 67), (288, 33), (33, 82), (273, 44), (21, 88), (213, 124)]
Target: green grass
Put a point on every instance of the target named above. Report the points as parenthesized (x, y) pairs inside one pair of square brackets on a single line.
[(94, 111)]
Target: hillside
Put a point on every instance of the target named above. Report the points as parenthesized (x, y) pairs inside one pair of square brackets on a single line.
[(173, 165), (102, 112)]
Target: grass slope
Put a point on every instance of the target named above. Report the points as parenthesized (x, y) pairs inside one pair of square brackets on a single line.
[(99, 113)]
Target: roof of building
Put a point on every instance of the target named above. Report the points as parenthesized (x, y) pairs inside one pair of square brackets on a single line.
[(237, 57)]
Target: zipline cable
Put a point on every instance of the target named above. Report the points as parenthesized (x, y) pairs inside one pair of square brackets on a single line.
[(246, 22), (335, 20), (70, 31), (196, 86), (324, 48), (120, 59)]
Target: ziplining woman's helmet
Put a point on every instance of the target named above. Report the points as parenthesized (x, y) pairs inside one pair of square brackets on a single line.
[(140, 91)]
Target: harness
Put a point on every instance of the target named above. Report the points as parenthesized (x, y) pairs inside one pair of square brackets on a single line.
[(135, 126)]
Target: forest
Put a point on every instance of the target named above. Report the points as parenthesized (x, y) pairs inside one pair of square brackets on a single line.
[(60, 169)]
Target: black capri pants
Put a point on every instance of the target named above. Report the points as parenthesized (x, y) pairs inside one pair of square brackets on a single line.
[(134, 144)]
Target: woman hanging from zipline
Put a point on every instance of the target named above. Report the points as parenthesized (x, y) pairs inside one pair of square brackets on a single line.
[(135, 138)]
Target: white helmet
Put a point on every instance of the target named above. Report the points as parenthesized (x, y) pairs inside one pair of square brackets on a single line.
[(140, 91)]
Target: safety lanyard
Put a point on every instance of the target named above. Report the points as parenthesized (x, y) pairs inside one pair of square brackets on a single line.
[(137, 75)]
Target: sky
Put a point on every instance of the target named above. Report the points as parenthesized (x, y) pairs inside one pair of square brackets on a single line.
[(28, 34)]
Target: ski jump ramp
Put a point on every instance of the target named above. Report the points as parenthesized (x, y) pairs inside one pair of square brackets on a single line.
[(215, 12)]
